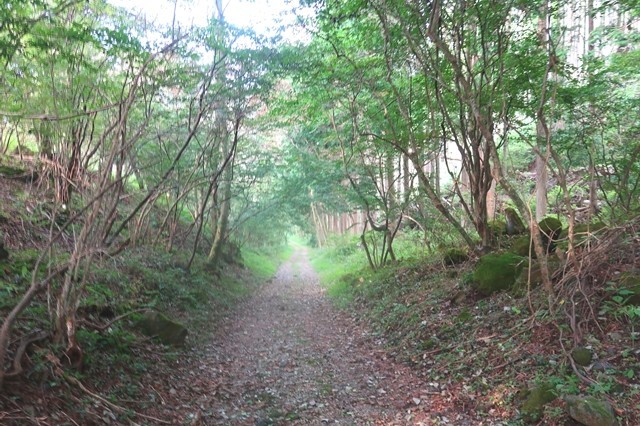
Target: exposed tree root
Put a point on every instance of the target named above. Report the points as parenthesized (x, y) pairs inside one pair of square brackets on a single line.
[(104, 327), (77, 383), (17, 368)]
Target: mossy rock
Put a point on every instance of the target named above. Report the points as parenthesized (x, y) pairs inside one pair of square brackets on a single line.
[(169, 332), (514, 224), (498, 227), (582, 356), (497, 272), (535, 400), (581, 232), (521, 246), (550, 230), (497, 231), (533, 279), (550, 226), (455, 256), (19, 174), (590, 411), (630, 281)]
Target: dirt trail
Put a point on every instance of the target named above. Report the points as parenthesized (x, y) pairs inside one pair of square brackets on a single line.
[(288, 357)]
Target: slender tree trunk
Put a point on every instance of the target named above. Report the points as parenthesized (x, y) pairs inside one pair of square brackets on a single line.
[(541, 176), (593, 183), (221, 230), (541, 137), (222, 224), (220, 233), (406, 178), (437, 203)]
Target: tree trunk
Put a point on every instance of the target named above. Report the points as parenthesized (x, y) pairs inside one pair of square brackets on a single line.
[(221, 230), (220, 235), (593, 183), (541, 180), (485, 126), (437, 202), (541, 136)]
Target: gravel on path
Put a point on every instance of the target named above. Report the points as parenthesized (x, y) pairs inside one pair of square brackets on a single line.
[(287, 356)]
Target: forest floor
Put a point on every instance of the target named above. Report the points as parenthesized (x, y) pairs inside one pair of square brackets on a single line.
[(287, 356)]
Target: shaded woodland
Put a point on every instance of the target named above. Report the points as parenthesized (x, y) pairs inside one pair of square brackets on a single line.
[(487, 135)]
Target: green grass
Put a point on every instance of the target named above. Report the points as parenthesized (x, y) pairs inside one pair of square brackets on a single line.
[(264, 263), (343, 268), (340, 266), (259, 263)]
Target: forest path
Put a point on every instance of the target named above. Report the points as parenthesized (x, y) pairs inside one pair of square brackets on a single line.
[(288, 357)]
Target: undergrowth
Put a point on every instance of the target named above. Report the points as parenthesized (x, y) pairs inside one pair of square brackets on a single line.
[(340, 265), (485, 351), (116, 355)]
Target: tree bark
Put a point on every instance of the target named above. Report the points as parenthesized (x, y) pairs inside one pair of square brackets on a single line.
[(541, 136)]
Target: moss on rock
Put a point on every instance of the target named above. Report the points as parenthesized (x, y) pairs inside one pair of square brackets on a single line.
[(514, 224), (455, 256), (535, 400), (533, 278), (581, 232), (582, 356), (498, 227), (521, 245), (497, 231), (496, 272), (590, 411), (10, 171), (169, 332), (550, 230)]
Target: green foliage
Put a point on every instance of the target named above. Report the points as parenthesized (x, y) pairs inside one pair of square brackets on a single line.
[(467, 279), (15, 275), (563, 385), (342, 246), (341, 266), (619, 310), (116, 341), (371, 89), (159, 280), (411, 244), (622, 304), (518, 151)]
